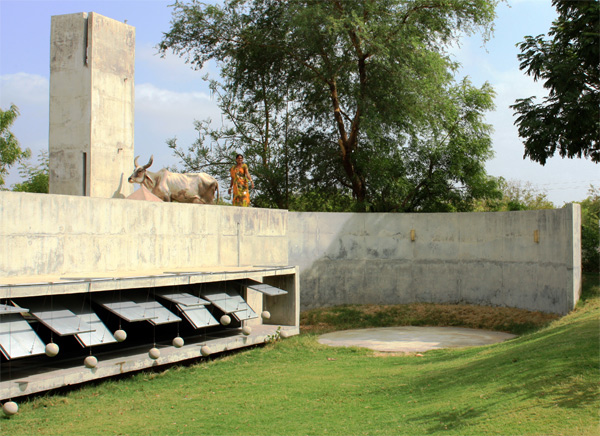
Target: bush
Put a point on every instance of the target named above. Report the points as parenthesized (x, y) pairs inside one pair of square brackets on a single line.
[(590, 231)]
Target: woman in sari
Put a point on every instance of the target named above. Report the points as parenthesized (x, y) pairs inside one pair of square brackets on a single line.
[(240, 177)]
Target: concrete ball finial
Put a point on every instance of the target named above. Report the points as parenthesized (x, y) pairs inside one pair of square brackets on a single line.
[(246, 330), (225, 320), (90, 362), (205, 350), (284, 334), (266, 314), (178, 342), (51, 349), (154, 353), (120, 335), (10, 408)]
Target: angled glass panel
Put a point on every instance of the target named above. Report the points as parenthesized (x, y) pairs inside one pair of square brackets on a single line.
[(198, 316), (231, 303), (59, 319), (226, 305), (264, 288), (101, 334), (183, 298), (7, 309), (223, 301), (215, 295), (159, 313), (18, 339), (127, 310), (242, 315)]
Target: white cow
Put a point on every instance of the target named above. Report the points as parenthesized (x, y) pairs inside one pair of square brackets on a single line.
[(168, 186)]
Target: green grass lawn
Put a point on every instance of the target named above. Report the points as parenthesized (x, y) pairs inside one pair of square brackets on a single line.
[(544, 382)]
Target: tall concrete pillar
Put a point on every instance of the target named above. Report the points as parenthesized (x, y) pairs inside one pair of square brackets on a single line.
[(91, 105)]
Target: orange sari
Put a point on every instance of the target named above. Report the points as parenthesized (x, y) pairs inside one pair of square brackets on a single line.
[(241, 192)]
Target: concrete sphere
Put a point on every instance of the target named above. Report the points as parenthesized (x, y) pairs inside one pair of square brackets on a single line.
[(10, 408), (51, 349), (90, 362), (205, 350), (120, 335), (284, 334), (246, 330), (178, 342), (266, 314), (225, 320), (154, 353)]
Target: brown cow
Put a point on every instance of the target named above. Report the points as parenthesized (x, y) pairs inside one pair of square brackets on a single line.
[(168, 186)]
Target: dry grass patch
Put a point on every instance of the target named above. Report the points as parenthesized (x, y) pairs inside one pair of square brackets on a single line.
[(505, 319)]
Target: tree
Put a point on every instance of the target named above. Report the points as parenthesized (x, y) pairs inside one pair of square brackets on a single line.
[(35, 176), (590, 231), (516, 195), (568, 119), (10, 150), (351, 99)]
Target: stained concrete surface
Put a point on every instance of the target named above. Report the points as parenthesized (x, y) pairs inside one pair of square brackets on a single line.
[(413, 339)]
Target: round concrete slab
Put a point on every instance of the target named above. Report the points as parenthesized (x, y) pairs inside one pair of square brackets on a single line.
[(413, 339)]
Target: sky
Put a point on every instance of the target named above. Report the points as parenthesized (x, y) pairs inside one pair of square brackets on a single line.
[(170, 94)]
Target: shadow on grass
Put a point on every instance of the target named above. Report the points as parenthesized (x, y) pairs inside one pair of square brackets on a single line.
[(555, 368)]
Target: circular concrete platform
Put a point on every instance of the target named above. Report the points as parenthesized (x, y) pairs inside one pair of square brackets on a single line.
[(413, 339)]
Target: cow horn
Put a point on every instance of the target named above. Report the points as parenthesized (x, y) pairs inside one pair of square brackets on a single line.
[(135, 164), (149, 162)]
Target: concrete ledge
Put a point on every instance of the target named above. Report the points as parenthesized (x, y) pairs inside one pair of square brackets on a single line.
[(24, 383), (31, 286)]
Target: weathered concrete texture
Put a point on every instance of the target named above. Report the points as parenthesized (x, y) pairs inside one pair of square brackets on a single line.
[(413, 339), (91, 105), (477, 258), (45, 234)]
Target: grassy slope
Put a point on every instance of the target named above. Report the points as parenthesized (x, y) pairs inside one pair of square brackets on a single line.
[(545, 382)]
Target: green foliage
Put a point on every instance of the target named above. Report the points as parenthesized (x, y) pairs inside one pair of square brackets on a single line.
[(10, 150), (568, 120), (35, 176), (590, 231), (545, 382), (348, 99), (516, 195)]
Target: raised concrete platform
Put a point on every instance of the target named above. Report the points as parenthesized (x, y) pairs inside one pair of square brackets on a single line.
[(413, 339), (40, 285), (31, 380), (29, 373)]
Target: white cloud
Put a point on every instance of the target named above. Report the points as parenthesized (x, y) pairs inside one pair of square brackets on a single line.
[(162, 114), (147, 92), (23, 89)]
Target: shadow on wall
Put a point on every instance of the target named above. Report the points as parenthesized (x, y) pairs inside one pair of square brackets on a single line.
[(518, 259), (118, 192)]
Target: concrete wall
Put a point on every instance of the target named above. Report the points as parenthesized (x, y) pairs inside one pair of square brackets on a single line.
[(530, 260), (477, 258), (91, 105), (45, 234)]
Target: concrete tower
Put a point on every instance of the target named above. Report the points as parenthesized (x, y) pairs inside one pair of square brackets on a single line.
[(91, 105)]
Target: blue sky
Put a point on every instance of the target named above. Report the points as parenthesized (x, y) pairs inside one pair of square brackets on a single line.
[(170, 95)]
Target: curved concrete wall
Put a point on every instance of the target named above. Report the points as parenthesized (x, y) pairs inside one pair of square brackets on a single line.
[(529, 259)]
